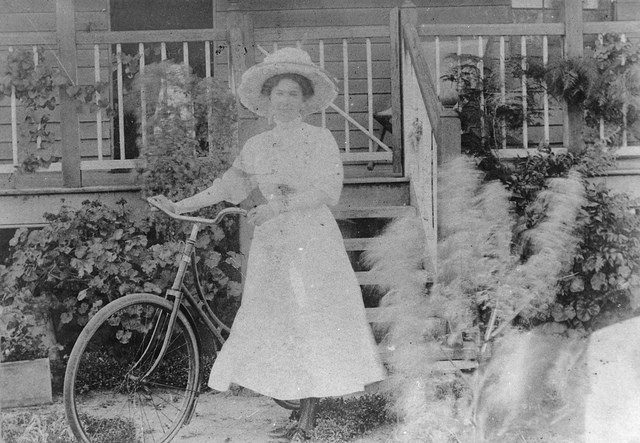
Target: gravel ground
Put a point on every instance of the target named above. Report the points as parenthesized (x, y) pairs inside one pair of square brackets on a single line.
[(224, 417)]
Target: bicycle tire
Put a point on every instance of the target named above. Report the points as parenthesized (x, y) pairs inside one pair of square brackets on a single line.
[(154, 408)]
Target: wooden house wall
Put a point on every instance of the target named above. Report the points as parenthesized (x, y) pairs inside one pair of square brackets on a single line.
[(628, 10), (281, 15), (276, 17), (30, 16)]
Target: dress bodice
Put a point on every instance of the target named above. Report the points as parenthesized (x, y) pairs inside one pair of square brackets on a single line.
[(292, 158)]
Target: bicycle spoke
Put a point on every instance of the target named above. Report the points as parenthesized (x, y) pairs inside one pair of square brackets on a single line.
[(110, 387)]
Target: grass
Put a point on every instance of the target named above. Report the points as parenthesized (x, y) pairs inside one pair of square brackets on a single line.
[(35, 427), (38, 426)]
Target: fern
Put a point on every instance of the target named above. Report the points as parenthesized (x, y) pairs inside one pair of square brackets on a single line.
[(572, 80)]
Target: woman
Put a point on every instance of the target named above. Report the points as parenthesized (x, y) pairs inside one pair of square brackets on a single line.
[(301, 332)]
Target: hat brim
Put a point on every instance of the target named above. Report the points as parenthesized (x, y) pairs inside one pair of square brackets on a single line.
[(250, 89)]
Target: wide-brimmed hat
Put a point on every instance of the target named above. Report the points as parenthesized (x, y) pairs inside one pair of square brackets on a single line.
[(286, 60)]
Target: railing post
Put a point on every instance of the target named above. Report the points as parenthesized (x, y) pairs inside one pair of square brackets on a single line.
[(573, 48), (395, 34), (242, 51), (69, 122), (451, 133)]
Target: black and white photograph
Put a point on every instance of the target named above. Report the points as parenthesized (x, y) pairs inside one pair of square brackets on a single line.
[(367, 221)]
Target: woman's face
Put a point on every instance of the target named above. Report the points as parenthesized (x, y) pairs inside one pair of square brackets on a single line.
[(286, 100)]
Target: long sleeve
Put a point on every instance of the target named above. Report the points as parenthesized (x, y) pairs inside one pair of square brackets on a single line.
[(326, 177), (234, 186)]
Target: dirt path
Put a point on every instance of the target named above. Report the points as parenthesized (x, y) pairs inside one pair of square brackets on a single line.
[(224, 417), (230, 418)]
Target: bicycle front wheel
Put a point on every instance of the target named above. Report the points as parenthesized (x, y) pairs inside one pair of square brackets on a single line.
[(119, 386)]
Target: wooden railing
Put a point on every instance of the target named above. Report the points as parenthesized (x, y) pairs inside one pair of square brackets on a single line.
[(559, 125), (358, 56), (428, 131), (346, 53), (103, 42), (85, 142)]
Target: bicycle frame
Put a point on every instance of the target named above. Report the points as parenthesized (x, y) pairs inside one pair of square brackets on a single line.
[(179, 292)]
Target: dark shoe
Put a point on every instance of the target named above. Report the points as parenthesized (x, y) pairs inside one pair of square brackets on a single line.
[(283, 431), (293, 434), (299, 435)]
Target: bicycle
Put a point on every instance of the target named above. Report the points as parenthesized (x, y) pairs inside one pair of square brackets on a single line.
[(151, 346)]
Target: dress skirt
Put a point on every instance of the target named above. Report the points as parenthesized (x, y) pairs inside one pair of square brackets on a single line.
[(301, 330)]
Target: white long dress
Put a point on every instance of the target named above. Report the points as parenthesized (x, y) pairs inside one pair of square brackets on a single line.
[(301, 330)]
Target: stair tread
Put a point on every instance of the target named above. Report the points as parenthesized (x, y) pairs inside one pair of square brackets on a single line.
[(374, 180), (360, 244), (446, 358), (371, 278), (367, 278), (372, 211)]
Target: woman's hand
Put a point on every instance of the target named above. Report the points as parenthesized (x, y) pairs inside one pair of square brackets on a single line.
[(165, 203), (261, 214)]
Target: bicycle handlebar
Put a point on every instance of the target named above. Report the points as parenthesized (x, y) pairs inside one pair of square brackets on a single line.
[(163, 203)]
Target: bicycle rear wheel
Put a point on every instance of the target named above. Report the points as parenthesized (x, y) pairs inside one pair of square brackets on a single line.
[(109, 393)]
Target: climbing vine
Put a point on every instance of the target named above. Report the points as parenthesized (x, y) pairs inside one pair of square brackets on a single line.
[(36, 87)]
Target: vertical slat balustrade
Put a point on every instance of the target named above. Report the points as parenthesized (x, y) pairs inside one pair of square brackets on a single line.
[(625, 106), (369, 92), (437, 79), (601, 121), (120, 101), (163, 51), (143, 95), (207, 74), (231, 78), (481, 86), (523, 61), (323, 114), (96, 73), (545, 93), (345, 71), (14, 123), (503, 90), (35, 63)]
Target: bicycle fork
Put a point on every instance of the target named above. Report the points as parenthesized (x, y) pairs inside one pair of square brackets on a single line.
[(177, 300)]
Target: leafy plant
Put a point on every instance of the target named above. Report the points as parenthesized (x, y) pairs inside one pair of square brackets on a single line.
[(87, 257), (342, 420), (482, 123), (604, 286), (572, 80), (36, 85), (618, 85)]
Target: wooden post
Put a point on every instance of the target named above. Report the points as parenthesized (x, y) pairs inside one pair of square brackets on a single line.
[(242, 51), (573, 48), (69, 123), (451, 132), (395, 34)]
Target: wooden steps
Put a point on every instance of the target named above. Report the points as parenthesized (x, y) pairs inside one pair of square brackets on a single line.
[(372, 212), (446, 359)]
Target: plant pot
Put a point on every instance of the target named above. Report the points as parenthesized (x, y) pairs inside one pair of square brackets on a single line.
[(25, 383)]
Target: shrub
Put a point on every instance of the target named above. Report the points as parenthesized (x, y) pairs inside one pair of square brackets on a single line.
[(84, 258), (602, 279), (342, 420)]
